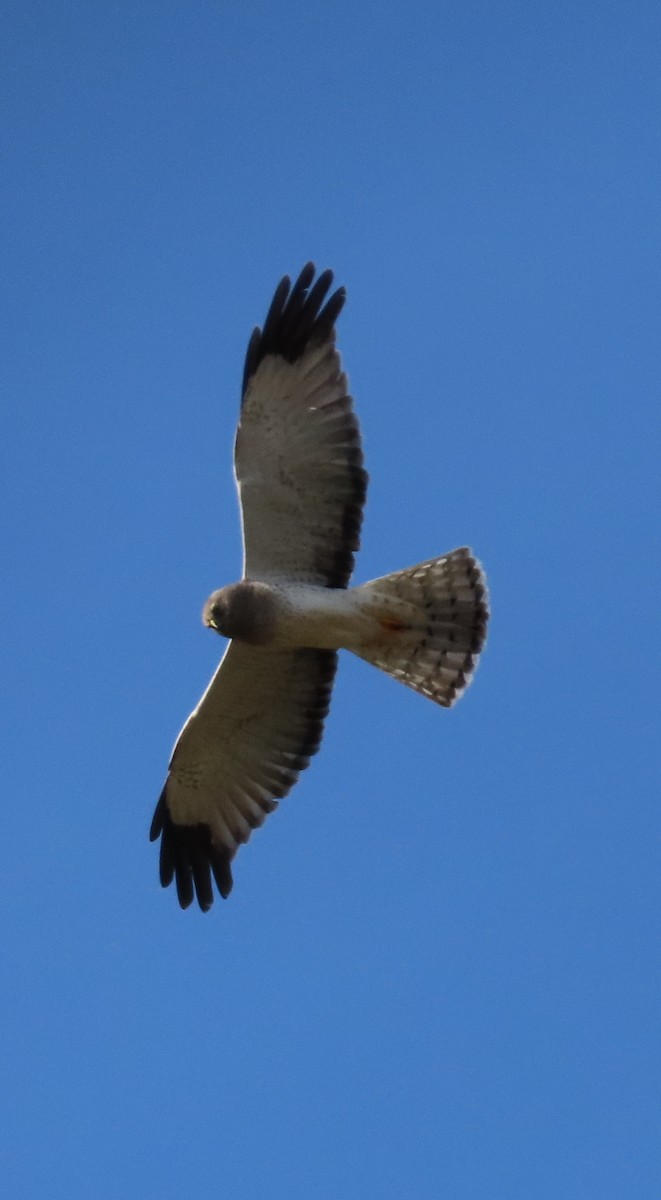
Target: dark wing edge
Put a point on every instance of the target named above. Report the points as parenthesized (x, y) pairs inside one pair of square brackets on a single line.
[(188, 853), (299, 316)]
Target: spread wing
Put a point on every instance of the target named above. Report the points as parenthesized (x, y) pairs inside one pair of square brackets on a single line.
[(298, 456), (254, 730)]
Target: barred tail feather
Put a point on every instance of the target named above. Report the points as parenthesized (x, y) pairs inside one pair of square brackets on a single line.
[(434, 618)]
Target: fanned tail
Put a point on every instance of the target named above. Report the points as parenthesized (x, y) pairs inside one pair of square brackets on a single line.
[(434, 619)]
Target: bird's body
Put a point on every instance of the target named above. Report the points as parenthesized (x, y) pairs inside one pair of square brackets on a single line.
[(301, 614), (302, 486)]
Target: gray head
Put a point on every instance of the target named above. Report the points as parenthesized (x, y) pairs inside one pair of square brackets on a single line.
[(246, 611)]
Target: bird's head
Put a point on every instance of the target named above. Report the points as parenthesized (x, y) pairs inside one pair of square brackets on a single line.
[(245, 610), (215, 612)]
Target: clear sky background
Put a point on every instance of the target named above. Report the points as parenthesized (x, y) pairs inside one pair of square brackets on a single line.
[(438, 973)]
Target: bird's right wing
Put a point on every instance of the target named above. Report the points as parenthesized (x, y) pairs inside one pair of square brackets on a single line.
[(242, 749)]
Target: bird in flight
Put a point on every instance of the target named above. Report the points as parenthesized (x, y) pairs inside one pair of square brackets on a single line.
[(302, 486)]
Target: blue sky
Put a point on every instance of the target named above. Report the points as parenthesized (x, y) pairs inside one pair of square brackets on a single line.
[(438, 973)]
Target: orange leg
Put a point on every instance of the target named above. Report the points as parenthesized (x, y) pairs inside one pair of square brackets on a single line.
[(392, 625)]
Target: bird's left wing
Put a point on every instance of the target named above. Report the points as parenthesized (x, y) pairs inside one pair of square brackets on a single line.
[(242, 749), (298, 457)]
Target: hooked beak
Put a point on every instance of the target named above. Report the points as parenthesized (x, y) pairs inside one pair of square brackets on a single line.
[(208, 618)]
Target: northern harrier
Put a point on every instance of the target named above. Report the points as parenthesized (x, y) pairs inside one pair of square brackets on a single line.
[(299, 471)]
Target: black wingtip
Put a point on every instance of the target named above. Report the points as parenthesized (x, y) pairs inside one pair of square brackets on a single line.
[(189, 857), (299, 315), (158, 818)]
